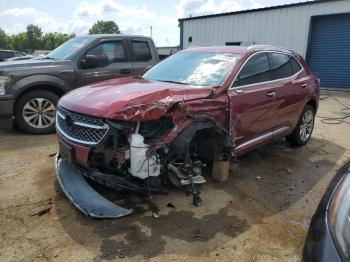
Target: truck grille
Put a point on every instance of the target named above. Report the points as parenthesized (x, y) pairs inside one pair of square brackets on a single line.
[(81, 129)]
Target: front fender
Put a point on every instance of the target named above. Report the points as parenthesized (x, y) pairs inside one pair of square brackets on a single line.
[(189, 130), (36, 80)]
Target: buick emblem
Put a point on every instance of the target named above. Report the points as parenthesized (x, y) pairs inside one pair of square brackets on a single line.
[(69, 122)]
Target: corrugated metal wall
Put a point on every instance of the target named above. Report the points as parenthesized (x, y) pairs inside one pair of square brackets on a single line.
[(287, 27), (329, 50)]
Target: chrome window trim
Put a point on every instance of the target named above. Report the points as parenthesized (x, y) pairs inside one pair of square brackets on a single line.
[(265, 82)]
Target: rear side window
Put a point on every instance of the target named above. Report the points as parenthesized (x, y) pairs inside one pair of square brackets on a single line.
[(141, 50), (295, 65), (280, 66), (254, 71)]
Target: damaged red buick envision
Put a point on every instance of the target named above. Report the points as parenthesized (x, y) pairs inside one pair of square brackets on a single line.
[(201, 105)]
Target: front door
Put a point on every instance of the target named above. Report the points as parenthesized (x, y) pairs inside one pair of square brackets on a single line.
[(113, 62), (253, 104)]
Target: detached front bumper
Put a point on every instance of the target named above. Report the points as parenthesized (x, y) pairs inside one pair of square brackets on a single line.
[(82, 195)]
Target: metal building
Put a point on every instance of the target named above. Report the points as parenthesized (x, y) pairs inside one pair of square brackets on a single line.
[(318, 30)]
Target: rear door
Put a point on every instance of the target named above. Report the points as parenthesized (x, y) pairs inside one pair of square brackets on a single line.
[(142, 54), (113, 62), (291, 89), (254, 109)]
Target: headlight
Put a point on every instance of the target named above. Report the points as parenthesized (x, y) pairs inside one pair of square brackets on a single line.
[(3, 81), (339, 217)]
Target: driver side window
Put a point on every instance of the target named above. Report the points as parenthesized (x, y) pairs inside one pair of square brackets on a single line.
[(108, 53), (256, 70)]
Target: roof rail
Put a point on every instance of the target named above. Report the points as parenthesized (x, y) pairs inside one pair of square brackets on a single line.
[(269, 46)]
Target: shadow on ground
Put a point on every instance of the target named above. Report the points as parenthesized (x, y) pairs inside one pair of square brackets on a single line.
[(264, 182)]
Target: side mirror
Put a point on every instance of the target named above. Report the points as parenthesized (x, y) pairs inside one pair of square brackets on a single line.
[(90, 61)]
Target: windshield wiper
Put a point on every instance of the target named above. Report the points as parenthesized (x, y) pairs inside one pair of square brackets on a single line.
[(174, 82)]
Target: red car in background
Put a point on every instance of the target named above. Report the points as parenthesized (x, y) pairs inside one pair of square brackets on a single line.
[(196, 107)]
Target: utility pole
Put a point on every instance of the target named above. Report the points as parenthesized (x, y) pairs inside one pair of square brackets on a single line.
[(151, 30)]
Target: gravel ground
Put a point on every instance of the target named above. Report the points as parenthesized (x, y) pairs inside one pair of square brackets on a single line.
[(261, 214)]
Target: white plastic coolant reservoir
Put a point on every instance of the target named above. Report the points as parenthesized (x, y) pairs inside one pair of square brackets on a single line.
[(140, 165)]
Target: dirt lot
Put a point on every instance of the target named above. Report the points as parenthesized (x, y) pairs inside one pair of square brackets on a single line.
[(261, 214)]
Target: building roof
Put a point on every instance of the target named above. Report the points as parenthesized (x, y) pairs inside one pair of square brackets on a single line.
[(259, 9)]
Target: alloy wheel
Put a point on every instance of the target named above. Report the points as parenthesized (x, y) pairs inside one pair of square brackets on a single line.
[(307, 125), (39, 113)]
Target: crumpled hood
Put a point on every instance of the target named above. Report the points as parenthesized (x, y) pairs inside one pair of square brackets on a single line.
[(130, 98)]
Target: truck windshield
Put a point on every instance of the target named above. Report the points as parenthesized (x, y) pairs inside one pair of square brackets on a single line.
[(194, 68), (68, 48)]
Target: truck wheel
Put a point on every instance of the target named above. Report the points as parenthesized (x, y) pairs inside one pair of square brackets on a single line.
[(35, 112), (302, 132)]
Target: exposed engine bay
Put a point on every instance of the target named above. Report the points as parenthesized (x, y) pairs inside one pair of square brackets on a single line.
[(146, 157), (126, 156)]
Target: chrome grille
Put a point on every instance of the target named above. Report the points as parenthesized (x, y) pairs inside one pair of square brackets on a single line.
[(81, 129)]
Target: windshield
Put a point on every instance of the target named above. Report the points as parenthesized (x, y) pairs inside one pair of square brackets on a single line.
[(68, 48), (194, 68)]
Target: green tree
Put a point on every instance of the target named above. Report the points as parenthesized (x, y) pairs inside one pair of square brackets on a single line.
[(32, 39), (18, 42), (34, 34), (52, 40), (104, 27), (3, 39)]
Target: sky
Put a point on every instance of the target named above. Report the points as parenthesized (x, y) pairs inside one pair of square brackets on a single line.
[(132, 16)]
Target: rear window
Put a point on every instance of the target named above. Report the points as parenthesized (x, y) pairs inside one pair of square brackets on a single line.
[(280, 66), (141, 51)]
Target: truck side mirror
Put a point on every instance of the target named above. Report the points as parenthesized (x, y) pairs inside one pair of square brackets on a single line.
[(90, 61)]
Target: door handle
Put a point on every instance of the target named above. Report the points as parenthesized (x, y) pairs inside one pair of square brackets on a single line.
[(125, 71), (239, 91), (303, 85), (271, 94)]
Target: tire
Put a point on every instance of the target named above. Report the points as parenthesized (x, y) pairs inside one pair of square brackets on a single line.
[(35, 112), (302, 132)]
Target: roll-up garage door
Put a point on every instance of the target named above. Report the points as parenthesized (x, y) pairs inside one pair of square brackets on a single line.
[(329, 50)]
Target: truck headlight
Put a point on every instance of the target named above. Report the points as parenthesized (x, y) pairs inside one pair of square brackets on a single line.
[(3, 81), (339, 217)]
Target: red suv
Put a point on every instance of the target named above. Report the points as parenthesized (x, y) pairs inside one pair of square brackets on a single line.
[(196, 107)]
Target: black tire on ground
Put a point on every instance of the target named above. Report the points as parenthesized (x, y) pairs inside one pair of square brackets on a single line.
[(27, 119), (306, 122)]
